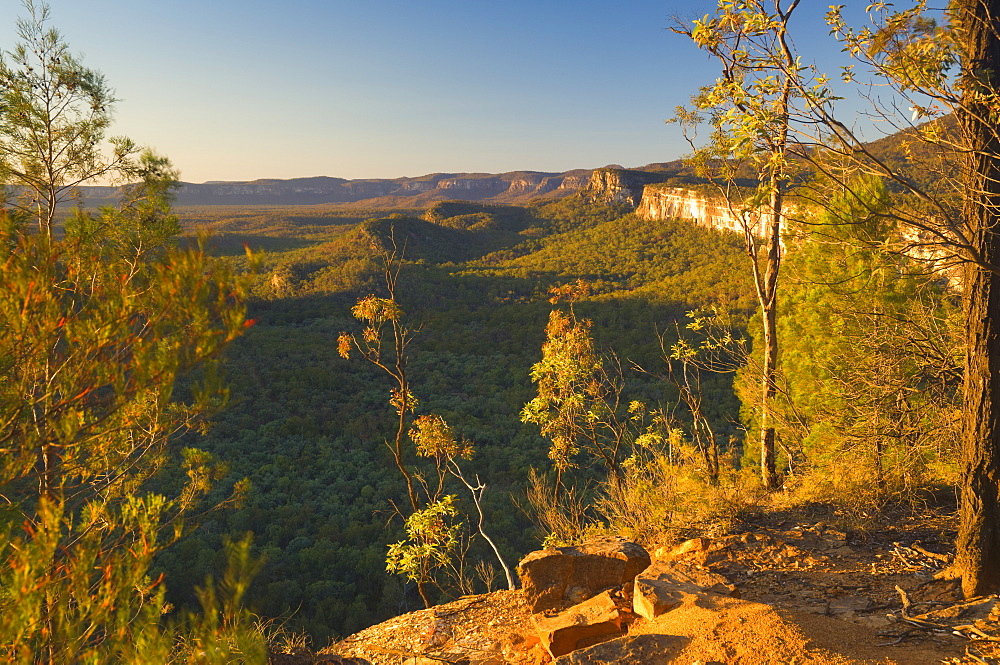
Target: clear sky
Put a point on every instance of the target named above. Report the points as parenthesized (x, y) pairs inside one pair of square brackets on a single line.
[(239, 90)]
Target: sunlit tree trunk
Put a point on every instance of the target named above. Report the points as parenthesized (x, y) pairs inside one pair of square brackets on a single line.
[(978, 545), (767, 295)]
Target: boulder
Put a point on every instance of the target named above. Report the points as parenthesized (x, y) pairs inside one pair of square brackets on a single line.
[(663, 587), (592, 621), (629, 650), (557, 577)]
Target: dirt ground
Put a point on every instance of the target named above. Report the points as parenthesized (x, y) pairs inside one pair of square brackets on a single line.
[(809, 593)]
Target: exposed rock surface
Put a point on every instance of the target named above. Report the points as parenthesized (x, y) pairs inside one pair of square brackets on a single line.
[(661, 201), (628, 650), (593, 621), (616, 185), (663, 587), (557, 577)]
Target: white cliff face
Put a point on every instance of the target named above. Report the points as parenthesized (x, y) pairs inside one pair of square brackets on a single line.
[(659, 202)]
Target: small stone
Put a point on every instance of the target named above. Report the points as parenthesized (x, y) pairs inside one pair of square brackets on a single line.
[(653, 598), (577, 595)]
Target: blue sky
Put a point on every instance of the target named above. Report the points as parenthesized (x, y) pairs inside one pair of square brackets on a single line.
[(388, 88)]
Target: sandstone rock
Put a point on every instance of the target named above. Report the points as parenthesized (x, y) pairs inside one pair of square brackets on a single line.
[(629, 650), (434, 633), (652, 598), (592, 621), (555, 578), (695, 545), (662, 587)]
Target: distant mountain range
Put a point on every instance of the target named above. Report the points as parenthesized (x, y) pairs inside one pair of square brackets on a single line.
[(516, 187)]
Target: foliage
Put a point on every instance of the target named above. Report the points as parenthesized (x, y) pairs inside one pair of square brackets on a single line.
[(754, 108), (569, 390), (97, 327), (870, 370), (55, 115), (307, 426), (93, 342), (432, 537)]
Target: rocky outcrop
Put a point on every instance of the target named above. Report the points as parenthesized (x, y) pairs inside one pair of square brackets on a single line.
[(664, 202), (557, 577), (581, 596), (615, 185)]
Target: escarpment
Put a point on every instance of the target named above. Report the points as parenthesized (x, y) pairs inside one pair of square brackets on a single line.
[(661, 201)]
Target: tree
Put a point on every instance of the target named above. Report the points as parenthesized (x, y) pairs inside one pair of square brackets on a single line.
[(96, 328), (383, 318), (55, 113), (433, 528), (977, 23), (579, 401), (951, 216), (751, 109), (870, 354)]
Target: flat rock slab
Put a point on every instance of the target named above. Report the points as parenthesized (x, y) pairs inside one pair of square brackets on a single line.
[(557, 577), (629, 650), (592, 621), (663, 587)]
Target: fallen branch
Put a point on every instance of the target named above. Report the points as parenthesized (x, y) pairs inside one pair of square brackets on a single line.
[(910, 632), (944, 558), (906, 601), (970, 628)]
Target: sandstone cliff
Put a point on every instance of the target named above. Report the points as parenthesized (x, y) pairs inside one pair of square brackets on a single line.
[(665, 202), (614, 185)]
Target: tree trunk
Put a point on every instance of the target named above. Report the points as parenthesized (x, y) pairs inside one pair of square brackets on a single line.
[(397, 448), (768, 298), (978, 545)]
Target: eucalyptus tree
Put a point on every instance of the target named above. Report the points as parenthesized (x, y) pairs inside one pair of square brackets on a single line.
[(935, 82), (752, 109), (942, 69)]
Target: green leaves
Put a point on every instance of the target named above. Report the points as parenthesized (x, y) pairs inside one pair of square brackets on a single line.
[(432, 536), (96, 327)]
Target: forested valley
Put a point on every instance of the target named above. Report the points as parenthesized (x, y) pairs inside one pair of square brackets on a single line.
[(228, 426), (309, 429)]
